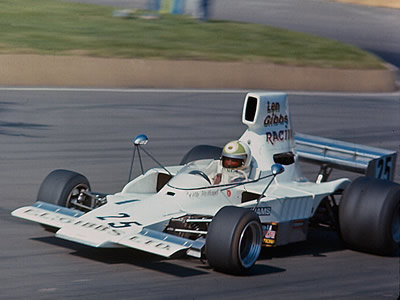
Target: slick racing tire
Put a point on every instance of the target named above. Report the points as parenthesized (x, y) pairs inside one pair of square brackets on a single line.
[(202, 152), (62, 187), (234, 239), (369, 216)]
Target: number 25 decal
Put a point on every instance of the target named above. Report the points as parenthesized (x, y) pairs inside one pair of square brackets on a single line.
[(384, 168), (119, 224)]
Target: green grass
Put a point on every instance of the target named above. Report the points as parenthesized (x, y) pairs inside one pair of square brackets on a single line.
[(61, 28)]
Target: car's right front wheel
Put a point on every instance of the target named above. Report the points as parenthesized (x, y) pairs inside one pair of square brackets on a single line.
[(64, 188)]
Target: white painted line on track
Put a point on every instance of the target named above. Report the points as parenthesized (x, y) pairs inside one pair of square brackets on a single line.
[(213, 91)]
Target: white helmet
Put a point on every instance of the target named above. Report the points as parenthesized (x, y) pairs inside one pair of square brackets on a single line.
[(236, 155)]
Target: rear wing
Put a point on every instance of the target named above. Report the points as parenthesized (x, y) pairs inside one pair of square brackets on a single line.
[(329, 153)]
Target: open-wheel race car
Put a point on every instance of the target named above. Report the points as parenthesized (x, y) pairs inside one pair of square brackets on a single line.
[(224, 204)]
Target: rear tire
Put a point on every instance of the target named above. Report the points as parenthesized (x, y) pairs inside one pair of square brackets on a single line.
[(369, 216), (234, 239)]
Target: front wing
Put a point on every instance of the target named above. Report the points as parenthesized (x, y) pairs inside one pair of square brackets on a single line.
[(144, 239)]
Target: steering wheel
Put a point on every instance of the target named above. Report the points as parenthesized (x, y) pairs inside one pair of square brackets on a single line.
[(202, 174)]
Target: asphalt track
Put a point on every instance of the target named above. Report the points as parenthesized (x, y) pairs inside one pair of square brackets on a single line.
[(91, 131)]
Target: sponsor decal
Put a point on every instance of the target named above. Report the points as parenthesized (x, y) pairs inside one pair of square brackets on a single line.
[(270, 231), (98, 227), (273, 107), (149, 242), (205, 193), (263, 211), (269, 242), (276, 120), (50, 216), (275, 117), (278, 136)]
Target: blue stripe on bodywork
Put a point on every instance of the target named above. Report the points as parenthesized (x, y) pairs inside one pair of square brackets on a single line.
[(126, 201), (58, 209)]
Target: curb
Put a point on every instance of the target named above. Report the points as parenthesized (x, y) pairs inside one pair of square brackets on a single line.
[(76, 71)]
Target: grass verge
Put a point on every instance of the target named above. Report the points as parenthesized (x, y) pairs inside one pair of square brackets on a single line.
[(60, 28)]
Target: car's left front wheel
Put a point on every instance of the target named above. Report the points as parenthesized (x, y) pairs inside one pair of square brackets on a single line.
[(234, 240)]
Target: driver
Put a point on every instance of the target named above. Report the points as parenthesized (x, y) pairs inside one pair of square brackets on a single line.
[(235, 163)]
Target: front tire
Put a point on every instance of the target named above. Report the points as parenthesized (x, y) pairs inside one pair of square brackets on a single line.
[(234, 239), (63, 187), (369, 216)]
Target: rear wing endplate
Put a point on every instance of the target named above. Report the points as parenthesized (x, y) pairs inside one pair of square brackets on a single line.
[(370, 161)]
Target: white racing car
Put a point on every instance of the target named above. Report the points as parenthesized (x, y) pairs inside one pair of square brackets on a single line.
[(183, 210)]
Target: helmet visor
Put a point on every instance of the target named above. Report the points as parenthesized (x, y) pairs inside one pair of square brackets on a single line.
[(232, 163)]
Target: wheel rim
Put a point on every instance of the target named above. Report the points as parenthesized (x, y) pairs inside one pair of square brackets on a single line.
[(396, 225), (250, 244), (73, 196)]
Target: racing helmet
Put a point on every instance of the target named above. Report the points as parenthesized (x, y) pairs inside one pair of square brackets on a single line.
[(236, 155)]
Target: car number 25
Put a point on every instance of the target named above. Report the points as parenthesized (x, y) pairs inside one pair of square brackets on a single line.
[(117, 223), (384, 168)]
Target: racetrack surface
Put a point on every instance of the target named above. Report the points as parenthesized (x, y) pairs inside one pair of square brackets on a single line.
[(91, 131)]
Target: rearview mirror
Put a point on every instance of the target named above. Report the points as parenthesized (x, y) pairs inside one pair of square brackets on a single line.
[(277, 169), (141, 139)]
